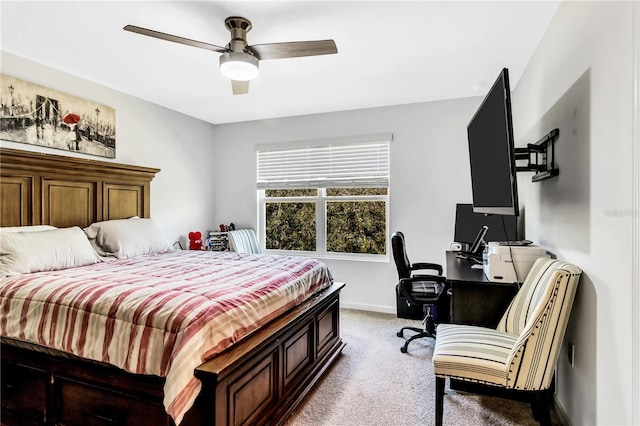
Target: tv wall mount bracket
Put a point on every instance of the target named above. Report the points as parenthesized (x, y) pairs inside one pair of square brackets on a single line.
[(539, 156)]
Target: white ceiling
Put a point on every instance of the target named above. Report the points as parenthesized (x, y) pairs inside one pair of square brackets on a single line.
[(389, 52)]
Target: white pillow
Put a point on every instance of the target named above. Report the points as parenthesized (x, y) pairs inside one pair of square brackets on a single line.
[(124, 238), (50, 250), (32, 228)]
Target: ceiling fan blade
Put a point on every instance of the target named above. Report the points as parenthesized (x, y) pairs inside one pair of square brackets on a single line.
[(175, 39), (294, 49), (240, 87)]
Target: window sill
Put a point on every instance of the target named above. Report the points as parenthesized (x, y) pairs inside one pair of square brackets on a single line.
[(334, 256)]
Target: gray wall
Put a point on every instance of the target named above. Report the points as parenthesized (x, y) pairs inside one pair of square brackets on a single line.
[(580, 80), (147, 135)]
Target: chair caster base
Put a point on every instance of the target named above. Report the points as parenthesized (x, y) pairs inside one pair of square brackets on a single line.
[(400, 334), (403, 349)]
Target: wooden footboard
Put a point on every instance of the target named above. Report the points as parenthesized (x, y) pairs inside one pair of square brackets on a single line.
[(260, 380)]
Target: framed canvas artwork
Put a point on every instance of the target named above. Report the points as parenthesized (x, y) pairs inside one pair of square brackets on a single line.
[(37, 115)]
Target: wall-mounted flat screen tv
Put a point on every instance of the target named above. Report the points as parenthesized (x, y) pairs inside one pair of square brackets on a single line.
[(492, 152)]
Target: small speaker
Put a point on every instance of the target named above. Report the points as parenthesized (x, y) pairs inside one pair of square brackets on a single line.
[(456, 247)]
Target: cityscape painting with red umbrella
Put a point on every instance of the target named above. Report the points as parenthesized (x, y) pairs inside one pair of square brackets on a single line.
[(37, 115), (71, 118)]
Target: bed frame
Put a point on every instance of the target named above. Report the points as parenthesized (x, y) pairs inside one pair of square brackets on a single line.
[(259, 380)]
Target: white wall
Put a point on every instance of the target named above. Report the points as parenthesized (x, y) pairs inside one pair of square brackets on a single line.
[(147, 135), (429, 175), (581, 80)]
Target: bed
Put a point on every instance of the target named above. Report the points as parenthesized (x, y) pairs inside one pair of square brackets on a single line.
[(257, 373)]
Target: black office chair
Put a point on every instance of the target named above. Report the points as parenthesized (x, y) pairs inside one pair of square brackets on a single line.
[(424, 291)]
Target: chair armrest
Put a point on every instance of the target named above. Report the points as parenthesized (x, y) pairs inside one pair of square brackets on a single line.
[(422, 265), (423, 298), (435, 278)]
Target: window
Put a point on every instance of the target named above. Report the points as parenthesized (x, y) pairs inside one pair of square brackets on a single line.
[(325, 197)]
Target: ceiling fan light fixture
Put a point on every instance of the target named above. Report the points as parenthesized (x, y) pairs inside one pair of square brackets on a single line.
[(239, 66), (239, 60)]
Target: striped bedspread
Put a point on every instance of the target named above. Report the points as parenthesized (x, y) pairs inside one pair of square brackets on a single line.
[(161, 314)]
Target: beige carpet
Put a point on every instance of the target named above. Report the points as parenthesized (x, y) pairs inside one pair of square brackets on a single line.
[(373, 383)]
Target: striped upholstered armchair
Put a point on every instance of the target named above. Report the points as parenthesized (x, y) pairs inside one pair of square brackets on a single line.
[(244, 241), (521, 353)]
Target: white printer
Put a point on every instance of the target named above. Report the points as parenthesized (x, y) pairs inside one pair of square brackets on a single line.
[(499, 266)]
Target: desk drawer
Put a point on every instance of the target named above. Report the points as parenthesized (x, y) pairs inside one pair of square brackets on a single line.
[(479, 304)]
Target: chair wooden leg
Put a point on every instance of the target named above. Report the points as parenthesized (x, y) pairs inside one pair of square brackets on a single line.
[(535, 410), (439, 399), (542, 407)]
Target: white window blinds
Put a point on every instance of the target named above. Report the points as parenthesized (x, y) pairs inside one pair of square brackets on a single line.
[(322, 164)]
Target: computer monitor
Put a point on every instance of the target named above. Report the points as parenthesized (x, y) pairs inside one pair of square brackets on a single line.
[(468, 224)]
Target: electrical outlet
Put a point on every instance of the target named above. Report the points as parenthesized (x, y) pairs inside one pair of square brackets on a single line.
[(571, 354)]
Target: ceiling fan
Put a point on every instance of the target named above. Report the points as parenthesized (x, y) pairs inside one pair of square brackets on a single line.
[(239, 61)]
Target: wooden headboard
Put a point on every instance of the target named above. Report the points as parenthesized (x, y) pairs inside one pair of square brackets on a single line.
[(47, 189)]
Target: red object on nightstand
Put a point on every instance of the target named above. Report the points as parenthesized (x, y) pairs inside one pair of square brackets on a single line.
[(195, 241)]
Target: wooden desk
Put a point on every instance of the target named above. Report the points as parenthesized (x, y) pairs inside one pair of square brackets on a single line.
[(474, 299)]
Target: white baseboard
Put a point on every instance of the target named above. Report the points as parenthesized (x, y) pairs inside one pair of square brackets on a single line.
[(372, 308), (562, 414)]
